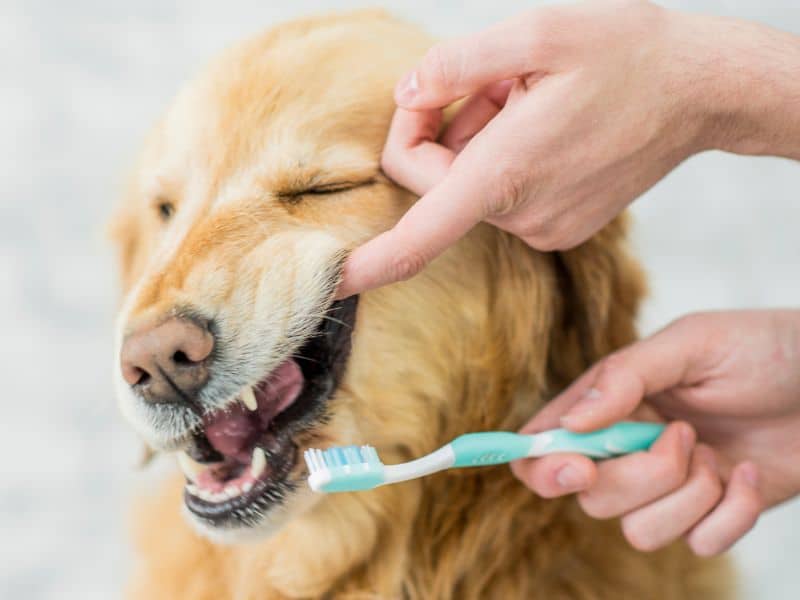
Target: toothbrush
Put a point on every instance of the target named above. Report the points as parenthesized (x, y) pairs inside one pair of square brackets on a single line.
[(354, 468)]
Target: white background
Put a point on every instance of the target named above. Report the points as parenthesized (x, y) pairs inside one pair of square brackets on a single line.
[(80, 82)]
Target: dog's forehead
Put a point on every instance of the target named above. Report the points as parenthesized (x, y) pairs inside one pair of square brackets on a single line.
[(277, 108)]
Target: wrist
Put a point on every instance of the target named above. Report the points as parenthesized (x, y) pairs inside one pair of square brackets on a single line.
[(744, 85)]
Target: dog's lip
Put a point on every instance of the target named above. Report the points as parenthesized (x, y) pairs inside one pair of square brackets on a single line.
[(243, 491), (320, 363)]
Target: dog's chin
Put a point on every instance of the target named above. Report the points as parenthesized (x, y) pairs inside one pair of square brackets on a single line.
[(243, 462), (269, 523)]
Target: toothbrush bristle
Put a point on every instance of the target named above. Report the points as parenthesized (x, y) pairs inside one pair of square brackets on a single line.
[(317, 460)]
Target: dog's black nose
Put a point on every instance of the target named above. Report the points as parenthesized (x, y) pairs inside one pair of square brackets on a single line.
[(167, 362)]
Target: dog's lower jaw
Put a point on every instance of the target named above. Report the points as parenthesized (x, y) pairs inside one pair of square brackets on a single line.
[(269, 525)]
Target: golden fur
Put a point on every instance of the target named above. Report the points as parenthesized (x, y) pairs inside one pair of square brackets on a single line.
[(479, 340)]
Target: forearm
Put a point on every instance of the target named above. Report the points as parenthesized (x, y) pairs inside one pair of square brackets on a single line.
[(748, 85)]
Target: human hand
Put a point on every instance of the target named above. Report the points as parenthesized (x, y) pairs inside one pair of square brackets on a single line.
[(731, 377), (571, 113)]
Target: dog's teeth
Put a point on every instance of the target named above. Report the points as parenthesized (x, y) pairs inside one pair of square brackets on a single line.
[(189, 466), (192, 489), (231, 491), (247, 486), (259, 462), (248, 398)]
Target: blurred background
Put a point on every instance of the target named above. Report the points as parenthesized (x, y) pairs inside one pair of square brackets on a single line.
[(80, 82)]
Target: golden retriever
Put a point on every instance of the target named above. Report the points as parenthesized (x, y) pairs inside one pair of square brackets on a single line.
[(249, 192)]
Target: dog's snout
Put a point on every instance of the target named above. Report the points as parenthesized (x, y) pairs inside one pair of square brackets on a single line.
[(167, 362)]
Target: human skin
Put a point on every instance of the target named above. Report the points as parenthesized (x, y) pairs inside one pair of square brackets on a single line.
[(729, 383), (570, 113)]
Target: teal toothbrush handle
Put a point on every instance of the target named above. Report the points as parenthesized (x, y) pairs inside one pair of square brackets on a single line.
[(621, 438), (496, 447)]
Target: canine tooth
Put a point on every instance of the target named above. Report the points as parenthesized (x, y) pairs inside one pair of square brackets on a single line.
[(231, 491), (249, 398), (192, 489), (247, 486), (259, 462), (189, 467)]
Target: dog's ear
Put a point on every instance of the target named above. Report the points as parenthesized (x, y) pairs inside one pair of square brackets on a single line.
[(125, 231), (600, 289)]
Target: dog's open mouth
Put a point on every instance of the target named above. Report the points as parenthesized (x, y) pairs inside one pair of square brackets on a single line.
[(237, 464)]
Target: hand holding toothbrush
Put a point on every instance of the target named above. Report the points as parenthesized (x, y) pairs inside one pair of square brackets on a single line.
[(730, 381)]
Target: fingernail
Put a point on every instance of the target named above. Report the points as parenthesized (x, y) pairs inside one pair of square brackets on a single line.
[(570, 478), (408, 88), (750, 474)]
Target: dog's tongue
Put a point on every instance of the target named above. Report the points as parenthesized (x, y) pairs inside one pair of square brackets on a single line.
[(235, 431)]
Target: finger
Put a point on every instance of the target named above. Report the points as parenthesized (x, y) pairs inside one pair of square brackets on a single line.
[(457, 68), (660, 523), (436, 221), (556, 475), (735, 515), (477, 111), (623, 379), (627, 483), (550, 416), (411, 155)]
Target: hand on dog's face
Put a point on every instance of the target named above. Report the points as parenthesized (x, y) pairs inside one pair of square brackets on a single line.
[(249, 193)]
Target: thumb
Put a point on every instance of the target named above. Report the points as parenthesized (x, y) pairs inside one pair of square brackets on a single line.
[(613, 388), (457, 68)]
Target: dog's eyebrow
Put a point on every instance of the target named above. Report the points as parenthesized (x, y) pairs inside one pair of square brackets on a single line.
[(159, 184)]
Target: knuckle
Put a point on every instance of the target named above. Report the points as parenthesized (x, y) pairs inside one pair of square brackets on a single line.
[(614, 364), (709, 482), (703, 547), (406, 265), (508, 191), (594, 506), (547, 234), (638, 536), (442, 66), (669, 470)]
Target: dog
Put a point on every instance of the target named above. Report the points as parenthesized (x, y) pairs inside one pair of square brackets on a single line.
[(232, 353)]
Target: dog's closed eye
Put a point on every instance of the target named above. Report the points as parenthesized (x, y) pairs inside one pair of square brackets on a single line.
[(321, 189)]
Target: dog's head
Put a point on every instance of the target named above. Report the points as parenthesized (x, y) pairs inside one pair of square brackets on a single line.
[(231, 350)]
